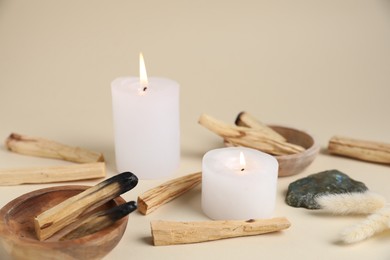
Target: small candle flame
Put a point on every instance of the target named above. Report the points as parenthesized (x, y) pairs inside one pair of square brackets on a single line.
[(242, 161), (143, 77)]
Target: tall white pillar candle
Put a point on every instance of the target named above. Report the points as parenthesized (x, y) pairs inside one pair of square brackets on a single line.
[(146, 125), (235, 190)]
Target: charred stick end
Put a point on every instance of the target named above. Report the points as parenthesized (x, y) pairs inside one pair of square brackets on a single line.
[(120, 211), (10, 138), (238, 120), (128, 179), (101, 220)]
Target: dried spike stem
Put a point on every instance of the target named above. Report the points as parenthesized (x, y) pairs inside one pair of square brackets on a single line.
[(351, 203), (373, 224)]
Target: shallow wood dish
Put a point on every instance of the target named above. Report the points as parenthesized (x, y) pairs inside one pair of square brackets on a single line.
[(295, 163), (18, 235)]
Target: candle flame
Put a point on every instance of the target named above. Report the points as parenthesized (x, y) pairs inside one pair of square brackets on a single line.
[(143, 77), (242, 161)]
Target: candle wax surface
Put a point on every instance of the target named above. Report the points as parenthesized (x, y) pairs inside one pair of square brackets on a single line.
[(146, 124), (228, 192)]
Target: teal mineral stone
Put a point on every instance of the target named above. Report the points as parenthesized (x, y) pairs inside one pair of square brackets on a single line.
[(302, 192)]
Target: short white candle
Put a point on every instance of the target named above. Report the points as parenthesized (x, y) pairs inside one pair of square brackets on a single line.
[(146, 125), (231, 190)]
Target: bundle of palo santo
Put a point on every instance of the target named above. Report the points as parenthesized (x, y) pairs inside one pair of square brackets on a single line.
[(250, 132), (79, 215), (91, 164), (173, 232)]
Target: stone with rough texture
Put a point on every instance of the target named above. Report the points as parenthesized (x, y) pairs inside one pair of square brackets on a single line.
[(302, 192)]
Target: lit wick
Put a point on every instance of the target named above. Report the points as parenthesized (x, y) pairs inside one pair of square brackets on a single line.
[(143, 78), (242, 161)]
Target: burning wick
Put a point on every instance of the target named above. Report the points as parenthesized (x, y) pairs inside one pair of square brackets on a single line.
[(143, 77), (242, 161)]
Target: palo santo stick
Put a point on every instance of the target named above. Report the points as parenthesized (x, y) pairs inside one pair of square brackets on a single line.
[(266, 145), (65, 213), (41, 147), (173, 233), (249, 137), (100, 220), (247, 120), (359, 149), (52, 174), (158, 196)]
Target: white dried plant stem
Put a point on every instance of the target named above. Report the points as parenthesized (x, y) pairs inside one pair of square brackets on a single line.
[(351, 203), (373, 224)]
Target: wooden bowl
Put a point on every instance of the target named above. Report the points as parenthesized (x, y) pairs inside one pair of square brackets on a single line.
[(18, 234), (295, 163)]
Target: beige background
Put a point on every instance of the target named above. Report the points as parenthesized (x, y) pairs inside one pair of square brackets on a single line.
[(320, 66)]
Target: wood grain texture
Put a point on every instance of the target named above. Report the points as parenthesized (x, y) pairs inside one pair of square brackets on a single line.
[(360, 149), (41, 147), (249, 137), (158, 196), (246, 119), (52, 174), (173, 233)]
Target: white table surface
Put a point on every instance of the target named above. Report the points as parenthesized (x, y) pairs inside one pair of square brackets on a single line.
[(320, 66)]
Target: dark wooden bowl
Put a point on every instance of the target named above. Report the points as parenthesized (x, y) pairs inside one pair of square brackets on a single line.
[(295, 163), (18, 234)]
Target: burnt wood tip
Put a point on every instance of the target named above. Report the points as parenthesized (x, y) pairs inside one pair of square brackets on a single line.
[(126, 185), (124, 177), (15, 136), (120, 211), (12, 137), (238, 118), (101, 220)]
